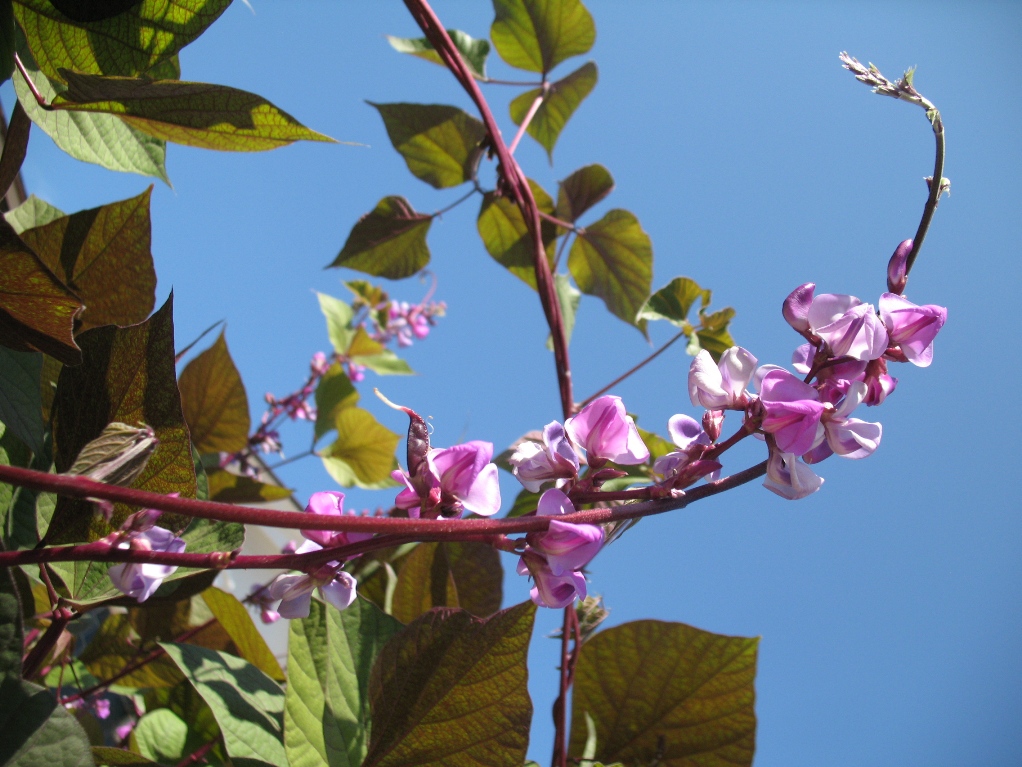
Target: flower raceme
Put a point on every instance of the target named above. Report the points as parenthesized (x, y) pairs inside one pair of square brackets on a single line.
[(457, 479), (607, 433)]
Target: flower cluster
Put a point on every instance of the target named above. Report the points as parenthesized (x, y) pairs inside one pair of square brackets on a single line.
[(405, 321), (140, 533), (452, 481)]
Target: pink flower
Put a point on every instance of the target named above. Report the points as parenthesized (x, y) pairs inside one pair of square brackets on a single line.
[(848, 326), (607, 433), (551, 590), (720, 386), (791, 412), (564, 545), (848, 437), (459, 478), (139, 580), (534, 463), (897, 266), (789, 477), (330, 504), (796, 307), (319, 364), (912, 327), (336, 587)]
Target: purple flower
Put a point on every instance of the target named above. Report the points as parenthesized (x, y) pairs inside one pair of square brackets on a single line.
[(796, 307), (791, 412), (319, 364), (682, 467), (607, 433), (458, 478), (720, 386), (848, 437), (896, 268), (551, 590), (789, 477), (534, 463), (331, 504), (295, 591), (139, 580), (849, 327), (912, 327), (565, 546)]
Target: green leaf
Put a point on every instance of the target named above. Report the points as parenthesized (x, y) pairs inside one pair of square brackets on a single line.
[(363, 453), (31, 213), (569, 299), (103, 254), (226, 487), (24, 513), (466, 575), (21, 408), (389, 241), (194, 114), (127, 375), (562, 99), (713, 334), (506, 237), (115, 646), (163, 736), (37, 311), (11, 630), (338, 322), (247, 704), (613, 259), (333, 393), (674, 301), (95, 138), (128, 44), (330, 657), (214, 402), (582, 190), (92, 10), (525, 503), (119, 757), (473, 51), (537, 35), (237, 622), (35, 730), (6, 40), (651, 683), (440, 144), (384, 363), (451, 689), (655, 444)]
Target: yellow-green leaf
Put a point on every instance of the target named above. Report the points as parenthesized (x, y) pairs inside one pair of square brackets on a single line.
[(32, 212), (389, 241), (195, 114), (237, 622), (333, 393), (674, 301), (363, 453), (562, 99), (506, 238), (214, 401), (582, 190), (537, 35), (473, 51), (226, 487)]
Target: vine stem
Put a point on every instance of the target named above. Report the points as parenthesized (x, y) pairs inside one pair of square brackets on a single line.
[(936, 188), (533, 108)]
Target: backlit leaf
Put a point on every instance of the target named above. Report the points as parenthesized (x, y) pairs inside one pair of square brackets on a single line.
[(92, 10), (119, 757), (128, 44), (385, 363), (389, 241), (162, 736), (36, 310), (226, 487), (451, 689), (21, 408), (115, 646), (560, 102), (330, 657), (440, 144), (466, 575), (333, 393), (247, 704), (338, 316), (214, 402), (582, 190), (363, 453), (193, 114), (613, 259), (236, 621), (473, 51), (103, 254), (32, 212), (35, 730), (569, 299), (539, 34), (674, 301), (714, 335), (506, 238), (651, 683)]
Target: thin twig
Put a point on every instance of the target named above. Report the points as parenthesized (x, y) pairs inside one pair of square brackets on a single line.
[(533, 108), (637, 368)]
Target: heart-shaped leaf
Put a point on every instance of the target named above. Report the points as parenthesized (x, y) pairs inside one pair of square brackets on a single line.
[(21, 408), (562, 99), (466, 575), (333, 393), (236, 621), (363, 453), (31, 213), (389, 241), (506, 237), (537, 35), (582, 190), (473, 51), (214, 402)]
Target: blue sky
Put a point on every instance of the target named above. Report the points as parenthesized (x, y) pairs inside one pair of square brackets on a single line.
[(888, 603)]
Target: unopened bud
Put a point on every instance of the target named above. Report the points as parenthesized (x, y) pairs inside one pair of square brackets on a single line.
[(713, 423), (897, 274), (796, 307), (142, 521), (118, 455)]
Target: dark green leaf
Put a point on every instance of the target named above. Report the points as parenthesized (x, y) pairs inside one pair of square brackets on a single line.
[(103, 255), (236, 621), (613, 259), (330, 657), (193, 114), (214, 402), (451, 689), (31, 213), (674, 301), (115, 646), (440, 144), (24, 513), (128, 376), (119, 757), (35, 730), (97, 138), (389, 241), (92, 10), (582, 190), (129, 44), (473, 51), (226, 487), (648, 683), (247, 704), (21, 408), (6, 40), (569, 298), (506, 237), (333, 393), (37, 311), (466, 575), (539, 34), (363, 453), (11, 632), (560, 102)]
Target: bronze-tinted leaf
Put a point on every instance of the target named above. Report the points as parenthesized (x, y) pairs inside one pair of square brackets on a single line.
[(506, 237), (214, 401), (389, 241), (466, 575), (582, 190), (225, 487), (562, 99), (103, 254)]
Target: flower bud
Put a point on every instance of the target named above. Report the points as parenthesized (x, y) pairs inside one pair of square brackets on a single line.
[(897, 274), (713, 423), (796, 307), (117, 456)]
